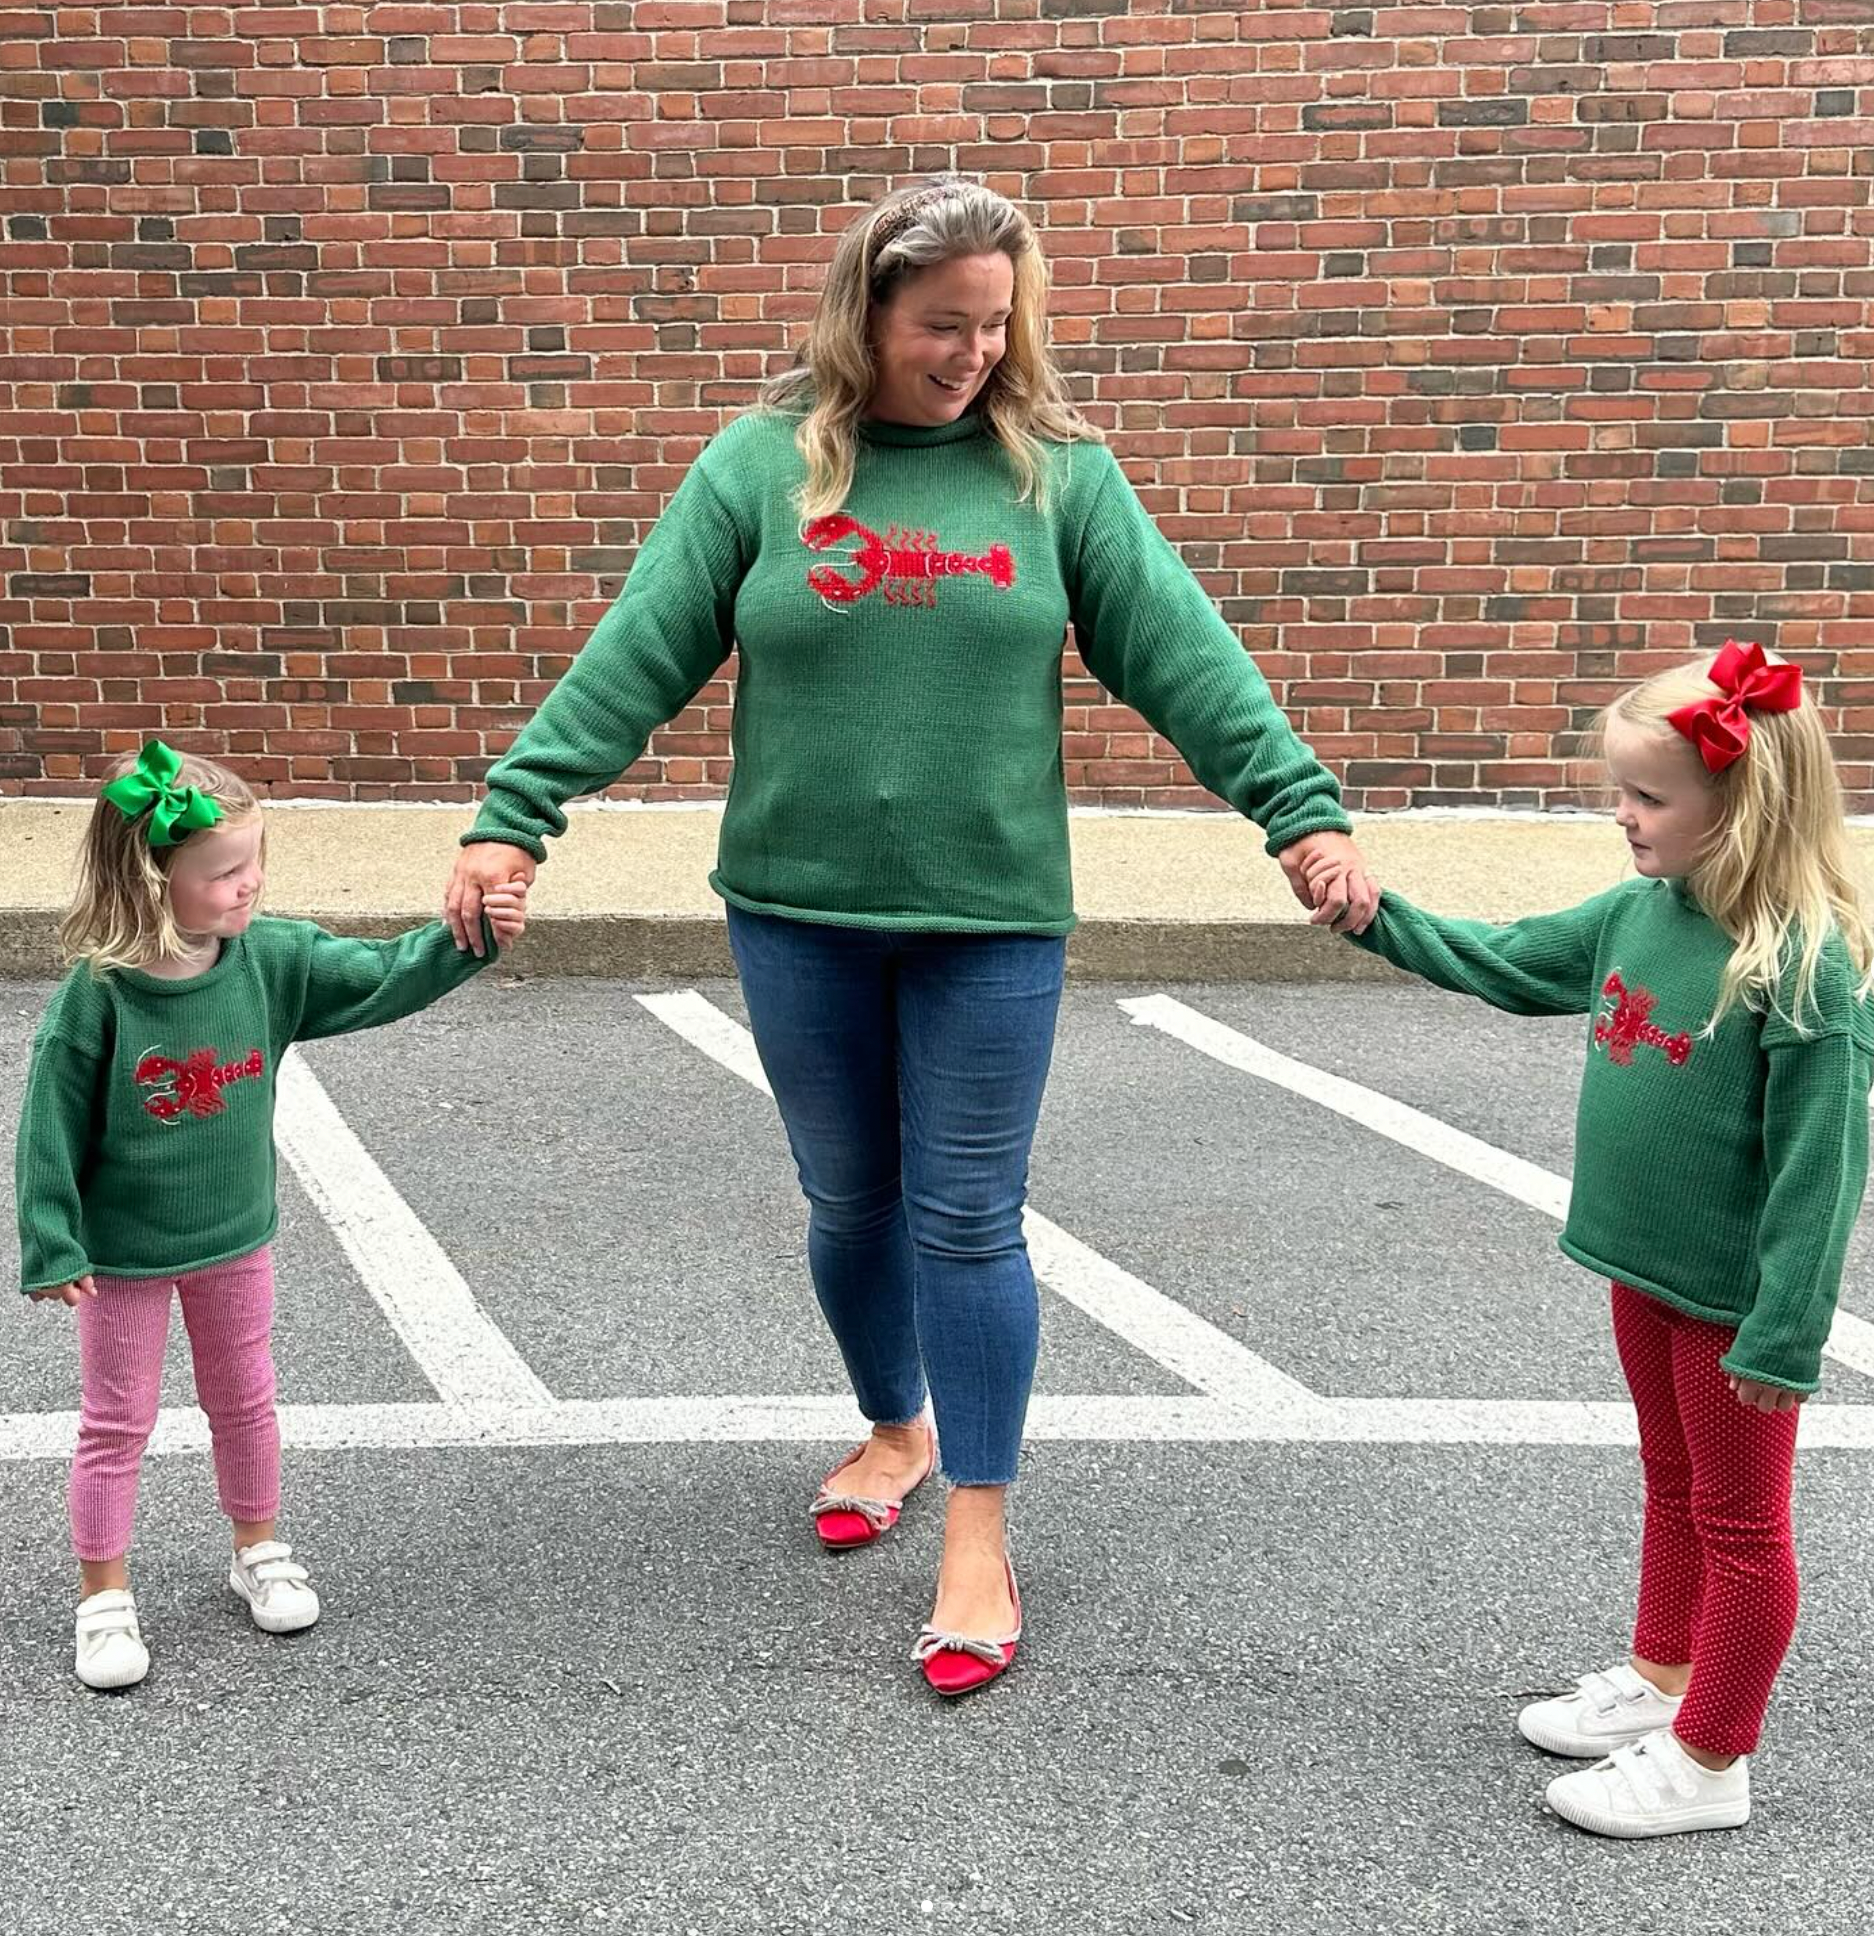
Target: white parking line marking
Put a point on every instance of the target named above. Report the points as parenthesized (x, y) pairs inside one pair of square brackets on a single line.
[(1178, 1339), (492, 1398), (1186, 1345), (1850, 1341), (737, 1419), (1539, 1188), (455, 1344)]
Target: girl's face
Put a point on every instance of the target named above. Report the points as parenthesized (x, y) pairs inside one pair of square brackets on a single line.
[(215, 878), (938, 335), (1667, 805)]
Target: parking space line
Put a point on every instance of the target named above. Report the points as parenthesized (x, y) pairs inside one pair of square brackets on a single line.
[(740, 1419), (732, 1419), (1166, 1331), (458, 1348), (490, 1397), (1850, 1341), (1186, 1345), (1539, 1188)]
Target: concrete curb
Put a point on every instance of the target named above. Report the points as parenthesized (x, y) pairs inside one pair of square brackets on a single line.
[(667, 947), (1163, 898)]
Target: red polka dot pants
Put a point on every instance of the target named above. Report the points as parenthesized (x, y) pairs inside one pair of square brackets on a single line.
[(1717, 1563)]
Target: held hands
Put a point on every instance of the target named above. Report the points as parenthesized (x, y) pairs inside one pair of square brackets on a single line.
[(489, 864), (1764, 1398), (506, 909), (66, 1293), (1327, 874)]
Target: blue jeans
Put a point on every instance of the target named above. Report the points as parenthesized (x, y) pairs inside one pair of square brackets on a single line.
[(909, 1068)]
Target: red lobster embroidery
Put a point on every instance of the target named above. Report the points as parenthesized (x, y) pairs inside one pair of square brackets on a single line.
[(904, 562), (198, 1082), (1628, 1019)]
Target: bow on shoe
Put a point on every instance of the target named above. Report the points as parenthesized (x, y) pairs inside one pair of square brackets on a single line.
[(175, 811), (934, 1641), (1748, 683), (875, 1512)]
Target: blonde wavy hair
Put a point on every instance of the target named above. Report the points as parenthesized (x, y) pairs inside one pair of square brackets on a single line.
[(120, 916), (831, 382), (1777, 874)]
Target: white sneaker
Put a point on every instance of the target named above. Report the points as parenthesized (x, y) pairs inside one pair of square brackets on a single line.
[(275, 1586), (110, 1645), (1652, 1788), (1606, 1711)]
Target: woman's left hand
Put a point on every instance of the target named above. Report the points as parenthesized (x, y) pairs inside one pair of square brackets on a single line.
[(1329, 876), (1765, 1398), (478, 867)]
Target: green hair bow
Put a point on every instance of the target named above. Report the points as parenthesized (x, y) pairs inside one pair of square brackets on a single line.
[(175, 812)]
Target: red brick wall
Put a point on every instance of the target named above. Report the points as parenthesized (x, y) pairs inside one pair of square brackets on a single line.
[(1476, 355)]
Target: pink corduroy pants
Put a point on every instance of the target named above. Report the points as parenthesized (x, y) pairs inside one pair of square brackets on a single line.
[(122, 1332)]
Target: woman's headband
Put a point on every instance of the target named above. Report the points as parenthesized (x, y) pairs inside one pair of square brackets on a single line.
[(895, 222)]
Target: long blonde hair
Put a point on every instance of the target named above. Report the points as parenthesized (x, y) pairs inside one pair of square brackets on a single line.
[(831, 383), (1776, 874), (120, 916)]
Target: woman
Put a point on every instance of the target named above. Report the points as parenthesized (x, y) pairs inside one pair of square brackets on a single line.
[(899, 540)]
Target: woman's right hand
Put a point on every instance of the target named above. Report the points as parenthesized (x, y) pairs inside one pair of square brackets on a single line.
[(65, 1293), (489, 863)]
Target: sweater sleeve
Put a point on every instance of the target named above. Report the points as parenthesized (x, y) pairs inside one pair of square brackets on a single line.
[(351, 985), (56, 1116), (1540, 965), (1815, 1148), (666, 633), (1149, 633)]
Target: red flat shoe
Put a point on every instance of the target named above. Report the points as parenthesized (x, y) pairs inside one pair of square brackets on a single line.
[(959, 1663), (844, 1519)]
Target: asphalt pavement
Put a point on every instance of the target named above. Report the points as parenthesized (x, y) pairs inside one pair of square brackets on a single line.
[(584, 1666)]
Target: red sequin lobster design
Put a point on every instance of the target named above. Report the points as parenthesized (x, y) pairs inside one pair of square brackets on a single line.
[(905, 562), (197, 1082), (1627, 1019)]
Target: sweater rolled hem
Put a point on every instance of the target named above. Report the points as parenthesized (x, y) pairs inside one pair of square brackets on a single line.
[(1634, 1280), (910, 922), (245, 1248), (1758, 1376), (527, 843), (1333, 821), (56, 1283)]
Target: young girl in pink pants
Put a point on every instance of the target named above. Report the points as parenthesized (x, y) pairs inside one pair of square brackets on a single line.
[(145, 1162), (1720, 1157)]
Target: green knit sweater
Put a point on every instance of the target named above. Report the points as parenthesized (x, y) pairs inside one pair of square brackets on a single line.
[(897, 728), (1720, 1173), (146, 1134)]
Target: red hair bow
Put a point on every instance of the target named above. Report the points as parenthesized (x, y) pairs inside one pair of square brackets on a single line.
[(1720, 728)]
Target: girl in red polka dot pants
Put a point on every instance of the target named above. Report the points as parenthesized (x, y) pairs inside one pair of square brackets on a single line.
[(1720, 1160)]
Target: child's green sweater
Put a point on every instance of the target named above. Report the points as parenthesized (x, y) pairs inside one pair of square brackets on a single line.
[(146, 1135), (1720, 1173), (897, 730)]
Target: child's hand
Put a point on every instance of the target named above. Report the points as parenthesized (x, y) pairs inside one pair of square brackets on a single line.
[(506, 909), (1327, 874), (66, 1293), (1765, 1398)]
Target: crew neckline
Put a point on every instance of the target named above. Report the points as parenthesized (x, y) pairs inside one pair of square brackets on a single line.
[(169, 984)]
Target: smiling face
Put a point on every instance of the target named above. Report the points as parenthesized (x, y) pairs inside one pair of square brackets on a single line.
[(938, 335), (215, 879), (1666, 803)]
